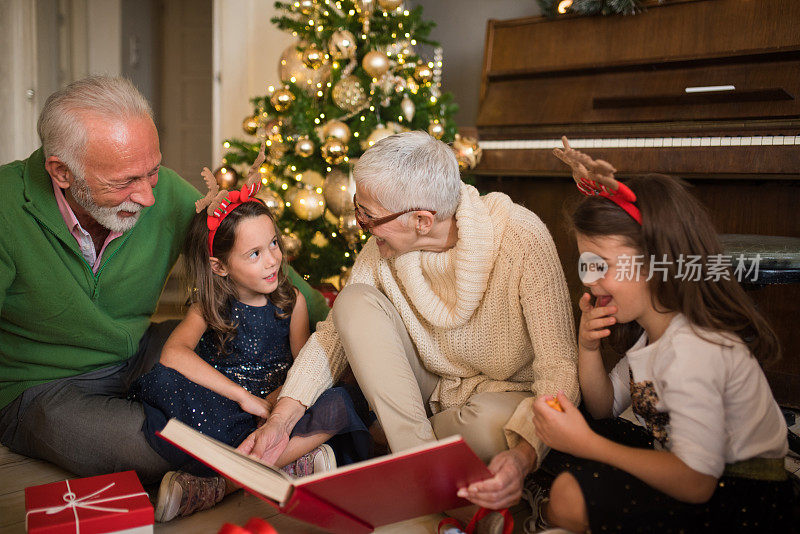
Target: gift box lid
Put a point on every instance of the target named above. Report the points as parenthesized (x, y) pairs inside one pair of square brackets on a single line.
[(94, 505)]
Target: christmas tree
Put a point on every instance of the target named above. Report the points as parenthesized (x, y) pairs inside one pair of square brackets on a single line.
[(352, 78)]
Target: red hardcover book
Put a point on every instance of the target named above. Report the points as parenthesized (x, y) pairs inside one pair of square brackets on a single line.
[(352, 499)]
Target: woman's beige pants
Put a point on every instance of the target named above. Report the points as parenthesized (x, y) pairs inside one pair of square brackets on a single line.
[(397, 386)]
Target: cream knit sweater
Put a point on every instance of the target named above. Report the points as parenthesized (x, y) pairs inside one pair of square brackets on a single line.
[(490, 314)]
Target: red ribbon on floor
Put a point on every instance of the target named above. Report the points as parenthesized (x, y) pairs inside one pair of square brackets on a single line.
[(256, 525)]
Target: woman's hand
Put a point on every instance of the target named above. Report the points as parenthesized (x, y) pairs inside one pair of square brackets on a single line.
[(255, 405), (594, 323), (565, 431), (504, 489)]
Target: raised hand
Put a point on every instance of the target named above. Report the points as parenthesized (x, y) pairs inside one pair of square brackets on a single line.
[(595, 323)]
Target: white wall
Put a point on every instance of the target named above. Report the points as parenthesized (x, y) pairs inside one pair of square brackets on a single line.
[(40, 51), (104, 34), (18, 108), (247, 48), (461, 30)]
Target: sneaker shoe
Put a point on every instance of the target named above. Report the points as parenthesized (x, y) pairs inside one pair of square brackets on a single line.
[(492, 523), (182, 494), (319, 460)]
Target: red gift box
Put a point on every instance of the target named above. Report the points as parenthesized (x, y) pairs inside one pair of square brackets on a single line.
[(95, 505)]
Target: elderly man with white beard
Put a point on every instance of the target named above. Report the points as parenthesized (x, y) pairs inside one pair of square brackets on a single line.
[(91, 226)]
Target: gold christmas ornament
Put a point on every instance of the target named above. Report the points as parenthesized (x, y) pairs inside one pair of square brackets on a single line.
[(375, 63), (271, 129), (468, 152), (226, 176), (423, 73), (312, 178), (307, 6), (339, 189), (277, 149), (397, 128), (291, 66), (337, 129), (390, 5), (364, 8), (436, 129), (272, 200), (250, 125), (331, 218), (291, 194), (313, 57), (408, 107), (320, 240), (304, 147), (349, 228), (291, 245), (333, 151), (342, 45), (376, 135), (348, 94), (308, 204), (282, 99)]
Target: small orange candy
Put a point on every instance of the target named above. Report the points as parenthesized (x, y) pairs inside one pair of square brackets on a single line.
[(554, 404)]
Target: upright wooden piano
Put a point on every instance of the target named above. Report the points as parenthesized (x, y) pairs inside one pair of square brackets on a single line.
[(708, 90)]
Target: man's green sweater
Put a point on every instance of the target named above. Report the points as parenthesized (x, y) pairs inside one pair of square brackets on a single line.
[(57, 317)]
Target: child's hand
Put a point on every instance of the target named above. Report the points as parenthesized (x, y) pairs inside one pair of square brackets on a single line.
[(565, 430), (594, 323), (255, 405)]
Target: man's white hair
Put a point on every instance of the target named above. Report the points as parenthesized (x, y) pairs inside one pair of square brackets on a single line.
[(61, 124), (411, 170)]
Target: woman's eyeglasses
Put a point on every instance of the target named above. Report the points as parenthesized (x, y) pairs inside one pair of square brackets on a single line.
[(367, 223)]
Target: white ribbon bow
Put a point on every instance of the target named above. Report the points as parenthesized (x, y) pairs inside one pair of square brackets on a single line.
[(71, 501)]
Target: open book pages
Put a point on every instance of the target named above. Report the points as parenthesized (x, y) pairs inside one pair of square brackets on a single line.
[(245, 470)]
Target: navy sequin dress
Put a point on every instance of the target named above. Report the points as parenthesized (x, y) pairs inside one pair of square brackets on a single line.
[(258, 360)]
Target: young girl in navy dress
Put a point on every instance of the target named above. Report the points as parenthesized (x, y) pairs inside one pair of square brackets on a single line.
[(710, 455), (223, 366)]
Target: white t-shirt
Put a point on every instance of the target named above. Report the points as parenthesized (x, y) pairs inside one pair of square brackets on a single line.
[(719, 407)]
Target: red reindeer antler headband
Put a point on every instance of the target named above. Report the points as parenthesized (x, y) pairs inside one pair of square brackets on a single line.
[(596, 177), (220, 203)]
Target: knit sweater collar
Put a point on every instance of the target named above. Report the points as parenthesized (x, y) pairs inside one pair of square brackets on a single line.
[(447, 287)]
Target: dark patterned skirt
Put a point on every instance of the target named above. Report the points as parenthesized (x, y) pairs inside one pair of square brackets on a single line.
[(165, 393)]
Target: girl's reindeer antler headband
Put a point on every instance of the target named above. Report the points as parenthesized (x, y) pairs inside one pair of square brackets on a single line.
[(220, 203), (596, 177)]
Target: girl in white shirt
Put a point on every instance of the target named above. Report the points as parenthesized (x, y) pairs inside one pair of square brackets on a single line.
[(712, 456)]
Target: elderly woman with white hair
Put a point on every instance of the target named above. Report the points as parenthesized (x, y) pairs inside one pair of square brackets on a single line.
[(456, 316)]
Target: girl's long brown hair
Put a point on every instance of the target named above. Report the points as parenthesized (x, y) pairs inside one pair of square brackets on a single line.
[(675, 224), (214, 294)]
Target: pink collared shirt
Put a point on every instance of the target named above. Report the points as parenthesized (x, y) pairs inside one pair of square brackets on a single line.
[(81, 236)]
